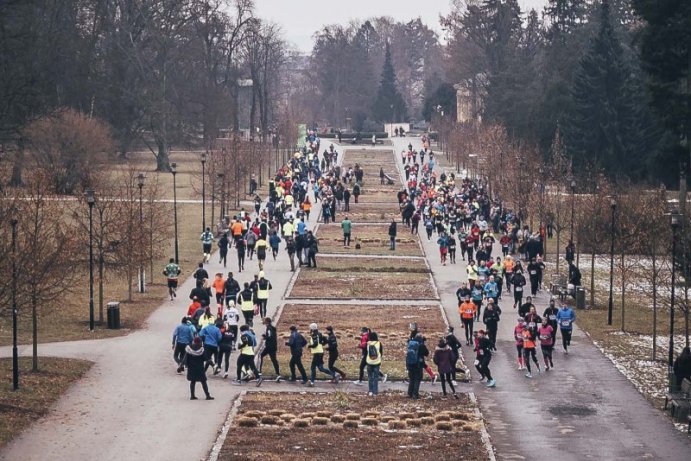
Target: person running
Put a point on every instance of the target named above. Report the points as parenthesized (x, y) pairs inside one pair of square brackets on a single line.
[(223, 244), (551, 315), (246, 356), (207, 239), (274, 243), (529, 351), (374, 356), (413, 362), (518, 282), (491, 319), (231, 288), (296, 342), (183, 335), (172, 271), (546, 343), (346, 226), (246, 302), (332, 347), (392, 234), (196, 372), (443, 243), (211, 335), (291, 249), (532, 269), (483, 350), (518, 336), (219, 291), (270, 347), (467, 310), (225, 347), (452, 249), (263, 288), (455, 346), (260, 247), (443, 358), (565, 317), (241, 248), (315, 343)]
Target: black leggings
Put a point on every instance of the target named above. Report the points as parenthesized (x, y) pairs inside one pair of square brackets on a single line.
[(446, 378), (483, 367), (246, 360), (179, 353), (547, 355), (468, 324), (223, 357), (272, 356), (332, 360), (527, 353), (566, 338), (193, 384)]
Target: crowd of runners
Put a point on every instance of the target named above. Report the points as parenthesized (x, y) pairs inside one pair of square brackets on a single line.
[(457, 214)]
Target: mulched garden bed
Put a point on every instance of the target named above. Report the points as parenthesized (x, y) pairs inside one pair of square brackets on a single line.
[(373, 240)]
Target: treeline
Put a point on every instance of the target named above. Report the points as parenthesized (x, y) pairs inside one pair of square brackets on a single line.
[(608, 74), (348, 69), (158, 72)]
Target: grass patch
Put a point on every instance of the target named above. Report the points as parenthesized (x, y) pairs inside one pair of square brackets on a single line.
[(37, 393), (373, 240)]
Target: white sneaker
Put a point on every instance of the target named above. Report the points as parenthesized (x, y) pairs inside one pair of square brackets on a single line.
[(278, 379), (384, 378), (310, 384), (225, 375), (528, 375), (357, 382), (454, 382), (434, 380)]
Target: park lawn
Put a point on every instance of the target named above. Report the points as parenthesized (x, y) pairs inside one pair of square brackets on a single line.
[(322, 414), (37, 393), (391, 322), (373, 213), (373, 240)]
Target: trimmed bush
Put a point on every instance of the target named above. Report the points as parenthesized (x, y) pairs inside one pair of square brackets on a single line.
[(287, 417), (320, 421), (413, 422), (352, 417), (276, 412), (444, 426), (442, 418), (403, 416), (427, 421), (386, 419), (301, 423), (337, 419), (324, 414), (270, 420), (424, 414), (397, 424), (248, 422), (350, 424), (370, 422)]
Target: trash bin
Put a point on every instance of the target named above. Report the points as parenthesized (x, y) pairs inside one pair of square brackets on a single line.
[(113, 315), (580, 298)]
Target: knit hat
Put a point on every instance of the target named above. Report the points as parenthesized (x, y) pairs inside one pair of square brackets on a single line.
[(313, 326)]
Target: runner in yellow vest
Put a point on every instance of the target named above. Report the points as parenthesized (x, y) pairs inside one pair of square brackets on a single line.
[(315, 343), (263, 287)]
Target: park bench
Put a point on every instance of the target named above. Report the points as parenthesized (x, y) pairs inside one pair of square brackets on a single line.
[(679, 401), (558, 286)]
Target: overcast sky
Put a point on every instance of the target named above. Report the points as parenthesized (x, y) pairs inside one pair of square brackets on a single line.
[(301, 18)]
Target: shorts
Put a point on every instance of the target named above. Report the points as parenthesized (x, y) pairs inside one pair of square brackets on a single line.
[(172, 283), (207, 247)]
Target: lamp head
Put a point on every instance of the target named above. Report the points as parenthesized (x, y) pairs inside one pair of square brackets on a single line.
[(573, 184), (613, 203), (675, 219), (90, 197), (140, 180), (173, 167), (203, 157)]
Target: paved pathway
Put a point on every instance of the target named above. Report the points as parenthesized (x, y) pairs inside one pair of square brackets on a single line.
[(583, 409), (132, 404)]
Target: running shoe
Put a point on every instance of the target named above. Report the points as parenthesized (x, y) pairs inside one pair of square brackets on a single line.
[(259, 381), (311, 384), (337, 377), (278, 379), (237, 382), (384, 378), (492, 383), (434, 380), (454, 382), (225, 375), (528, 375), (357, 382)]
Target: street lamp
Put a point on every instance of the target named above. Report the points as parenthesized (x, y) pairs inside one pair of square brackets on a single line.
[(174, 170), (573, 204), (91, 200), (140, 184), (676, 223), (203, 191), (611, 265), (15, 354), (223, 195)]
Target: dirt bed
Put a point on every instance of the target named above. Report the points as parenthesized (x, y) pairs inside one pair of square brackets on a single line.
[(390, 322), (341, 426), (373, 240)]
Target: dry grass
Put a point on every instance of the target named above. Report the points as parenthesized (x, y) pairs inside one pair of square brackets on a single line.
[(373, 240), (37, 391)]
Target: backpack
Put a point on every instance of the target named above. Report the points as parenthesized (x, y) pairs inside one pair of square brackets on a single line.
[(373, 352), (412, 356)]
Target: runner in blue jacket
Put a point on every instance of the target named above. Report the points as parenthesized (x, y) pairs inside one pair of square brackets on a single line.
[(565, 318)]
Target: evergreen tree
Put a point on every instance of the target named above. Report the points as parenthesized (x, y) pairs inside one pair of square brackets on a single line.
[(606, 126), (388, 104)]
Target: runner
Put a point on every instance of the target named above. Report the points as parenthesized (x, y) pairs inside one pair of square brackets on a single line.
[(263, 288), (467, 310), (246, 356), (315, 343), (518, 336), (246, 301), (172, 271), (443, 358), (518, 282), (529, 351), (223, 244), (546, 343), (207, 239), (551, 315), (270, 348), (183, 335), (565, 317), (296, 342), (483, 349)]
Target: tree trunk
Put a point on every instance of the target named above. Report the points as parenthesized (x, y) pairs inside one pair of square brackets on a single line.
[(654, 262), (592, 279), (558, 247), (101, 263), (623, 293), (162, 158), (34, 329), (130, 281)]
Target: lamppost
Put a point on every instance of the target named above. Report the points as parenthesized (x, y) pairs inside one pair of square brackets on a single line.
[(611, 265), (573, 205), (174, 170), (15, 354), (676, 223), (203, 191), (221, 177), (140, 184), (91, 200)]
